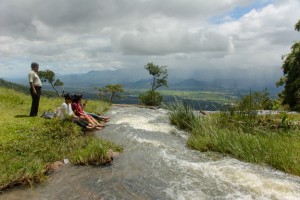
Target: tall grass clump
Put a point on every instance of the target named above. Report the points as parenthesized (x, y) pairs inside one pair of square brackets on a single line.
[(28, 145), (266, 140), (180, 114), (279, 150)]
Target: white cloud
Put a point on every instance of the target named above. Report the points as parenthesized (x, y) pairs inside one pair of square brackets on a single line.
[(71, 36), (262, 36)]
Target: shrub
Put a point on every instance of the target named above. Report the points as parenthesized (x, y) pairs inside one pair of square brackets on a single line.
[(256, 101), (151, 98)]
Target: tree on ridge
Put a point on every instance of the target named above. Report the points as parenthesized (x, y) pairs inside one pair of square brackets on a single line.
[(159, 79), (49, 76), (291, 76)]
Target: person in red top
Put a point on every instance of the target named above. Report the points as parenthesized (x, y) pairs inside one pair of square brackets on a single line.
[(96, 116), (79, 112)]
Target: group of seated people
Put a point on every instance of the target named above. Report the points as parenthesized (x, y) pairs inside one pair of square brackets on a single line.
[(72, 109)]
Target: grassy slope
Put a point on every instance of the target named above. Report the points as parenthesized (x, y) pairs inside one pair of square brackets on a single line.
[(28, 145)]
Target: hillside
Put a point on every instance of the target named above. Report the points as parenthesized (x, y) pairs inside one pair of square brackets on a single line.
[(23, 89), (14, 86)]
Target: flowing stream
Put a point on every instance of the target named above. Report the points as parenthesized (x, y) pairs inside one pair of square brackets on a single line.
[(156, 164)]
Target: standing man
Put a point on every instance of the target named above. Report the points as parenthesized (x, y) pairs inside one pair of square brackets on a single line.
[(35, 88)]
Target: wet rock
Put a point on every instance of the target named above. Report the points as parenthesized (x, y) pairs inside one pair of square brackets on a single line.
[(111, 155), (53, 166)]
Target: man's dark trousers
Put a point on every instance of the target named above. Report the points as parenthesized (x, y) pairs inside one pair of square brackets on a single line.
[(35, 101)]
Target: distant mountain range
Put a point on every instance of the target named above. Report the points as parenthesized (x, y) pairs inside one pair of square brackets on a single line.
[(101, 78)]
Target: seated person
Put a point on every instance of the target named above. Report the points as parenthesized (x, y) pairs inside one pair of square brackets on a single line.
[(78, 110), (65, 110)]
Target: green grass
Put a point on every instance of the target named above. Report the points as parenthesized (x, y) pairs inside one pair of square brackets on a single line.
[(29, 144), (263, 140)]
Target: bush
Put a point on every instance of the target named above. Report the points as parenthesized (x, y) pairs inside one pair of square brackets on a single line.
[(151, 98)]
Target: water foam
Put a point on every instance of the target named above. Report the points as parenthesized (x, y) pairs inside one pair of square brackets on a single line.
[(143, 123), (239, 175)]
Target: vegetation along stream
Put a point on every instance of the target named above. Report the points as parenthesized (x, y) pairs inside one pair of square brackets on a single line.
[(156, 164)]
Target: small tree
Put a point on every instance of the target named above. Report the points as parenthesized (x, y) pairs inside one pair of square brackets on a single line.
[(159, 79), (110, 91), (256, 101), (159, 75), (291, 76), (49, 76)]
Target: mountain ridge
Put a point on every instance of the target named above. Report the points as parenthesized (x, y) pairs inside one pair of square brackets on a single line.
[(96, 78)]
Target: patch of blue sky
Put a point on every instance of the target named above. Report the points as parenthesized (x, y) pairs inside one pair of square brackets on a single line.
[(239, 11)]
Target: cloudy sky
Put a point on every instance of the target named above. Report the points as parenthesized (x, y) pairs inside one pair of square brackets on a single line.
[(194, 38)]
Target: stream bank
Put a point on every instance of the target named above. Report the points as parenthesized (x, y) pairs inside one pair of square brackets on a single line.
[(156, 164)]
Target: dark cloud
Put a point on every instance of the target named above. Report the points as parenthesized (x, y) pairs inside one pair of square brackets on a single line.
[(149, 43)]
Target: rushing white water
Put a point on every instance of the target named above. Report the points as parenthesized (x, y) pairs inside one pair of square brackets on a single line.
[(156, 164)]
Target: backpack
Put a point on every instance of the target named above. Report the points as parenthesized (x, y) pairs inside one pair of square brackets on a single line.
[(49, 114)]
